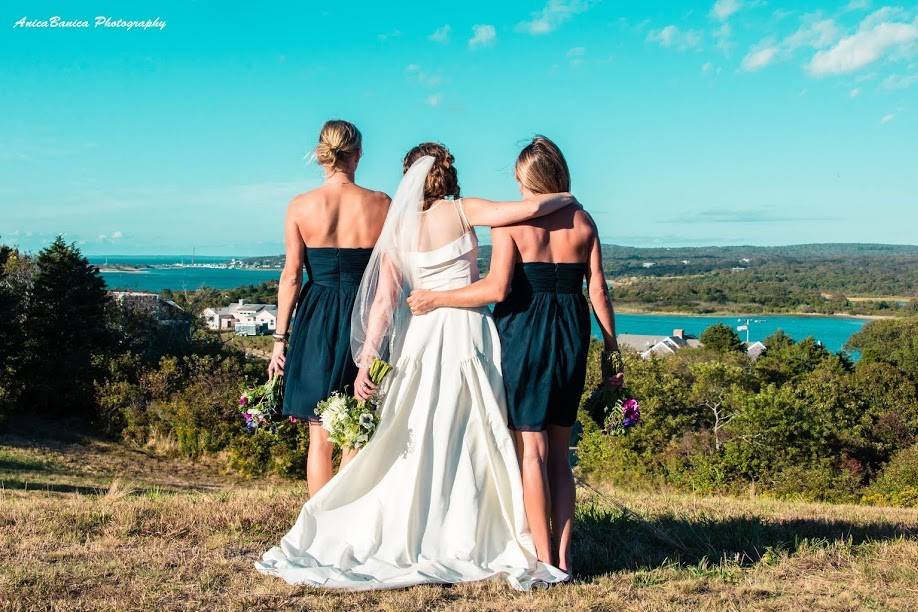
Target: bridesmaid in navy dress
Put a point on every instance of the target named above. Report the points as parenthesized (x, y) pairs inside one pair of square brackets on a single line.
[(330, 231), (537, 274)]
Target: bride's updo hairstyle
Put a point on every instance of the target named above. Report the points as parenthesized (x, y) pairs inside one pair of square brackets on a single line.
[(541, 167), (339, 145), (442, 181)]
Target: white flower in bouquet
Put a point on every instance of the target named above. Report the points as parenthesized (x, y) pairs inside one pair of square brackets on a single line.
[(333, 411), (350, 423)]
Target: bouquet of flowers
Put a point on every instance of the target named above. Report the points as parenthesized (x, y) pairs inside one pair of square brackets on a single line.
[(610, 407), (351, 422), (261, 405), (626, 414)]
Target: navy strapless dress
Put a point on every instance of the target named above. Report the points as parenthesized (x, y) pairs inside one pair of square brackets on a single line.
[(319, 358), (544, 328)]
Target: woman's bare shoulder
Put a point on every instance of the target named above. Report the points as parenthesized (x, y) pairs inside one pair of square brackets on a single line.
[(584, 219), (306, 198)]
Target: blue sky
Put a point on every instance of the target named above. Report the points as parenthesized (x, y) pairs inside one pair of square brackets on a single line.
[(728, 122)]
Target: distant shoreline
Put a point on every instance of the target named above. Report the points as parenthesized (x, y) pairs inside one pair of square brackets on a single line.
[(744, 315)]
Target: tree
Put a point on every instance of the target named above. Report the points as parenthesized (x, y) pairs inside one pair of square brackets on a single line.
[(66, 327), (714, 390), (785, 360), (893, 341), (721, 338), (11, 339)]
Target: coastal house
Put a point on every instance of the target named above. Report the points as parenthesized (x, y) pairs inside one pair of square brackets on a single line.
[(162, 310), (755, 349), (648, 346), (244, 319), (173, 322)]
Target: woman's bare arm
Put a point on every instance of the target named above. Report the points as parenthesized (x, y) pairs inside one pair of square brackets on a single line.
[(382, 311), (493, 288), (288, 287), (599, 296), (496, 214)]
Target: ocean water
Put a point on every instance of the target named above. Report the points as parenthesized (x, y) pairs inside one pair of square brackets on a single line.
[(833, 332), (162, 277)]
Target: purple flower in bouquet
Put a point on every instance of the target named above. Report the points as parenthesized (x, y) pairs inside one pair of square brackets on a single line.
[(260, 405), (631, 412), (626, 414)]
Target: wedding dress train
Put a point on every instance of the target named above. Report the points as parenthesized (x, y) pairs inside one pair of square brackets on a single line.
[(435, 496)]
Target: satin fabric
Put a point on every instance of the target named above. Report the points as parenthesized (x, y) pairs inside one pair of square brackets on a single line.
[(436, 496), (544, 327), (319, 358)]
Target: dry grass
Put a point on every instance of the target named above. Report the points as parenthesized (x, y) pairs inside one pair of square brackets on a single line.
[(125, 530)]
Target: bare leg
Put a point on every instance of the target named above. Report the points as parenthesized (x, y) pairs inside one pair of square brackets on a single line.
[(346, 456), (532, 448), (318, 458), (563, 493)]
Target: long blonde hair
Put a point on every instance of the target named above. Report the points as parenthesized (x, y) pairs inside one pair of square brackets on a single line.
[(340, 142), (541, 167)]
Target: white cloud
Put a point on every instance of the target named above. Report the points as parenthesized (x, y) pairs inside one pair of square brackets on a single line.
[(723, 9), (483, 35), (441, 34), (434, 99), (882, 15), (895, 81), (672, 36), (722, 34), (117, 235), (816, 34), (864, 47), (887, 118), (388, 35), (855, 92), (429, 79), (857, 5), (575, 55), (552, 15), (756, 60)]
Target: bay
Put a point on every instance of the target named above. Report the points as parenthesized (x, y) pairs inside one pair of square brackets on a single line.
[(157, 273), (833, 332)]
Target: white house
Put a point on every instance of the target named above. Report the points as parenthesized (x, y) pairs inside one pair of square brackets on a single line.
[(247, 319), (648, 346), (756, 349), (267, 316)]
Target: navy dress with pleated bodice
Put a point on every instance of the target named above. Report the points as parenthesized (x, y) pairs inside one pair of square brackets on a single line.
[(544, 328), (319, 358)]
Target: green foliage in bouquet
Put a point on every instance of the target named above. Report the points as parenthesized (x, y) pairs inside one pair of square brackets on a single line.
[(350, 422), (261, 405)]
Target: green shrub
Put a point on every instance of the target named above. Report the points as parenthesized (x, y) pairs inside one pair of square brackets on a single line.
[(897, 484), (281, 453)]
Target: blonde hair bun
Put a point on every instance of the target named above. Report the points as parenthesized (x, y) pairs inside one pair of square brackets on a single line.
[(339, 144)]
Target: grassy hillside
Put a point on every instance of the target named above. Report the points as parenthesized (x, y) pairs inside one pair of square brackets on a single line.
[(91, 525)]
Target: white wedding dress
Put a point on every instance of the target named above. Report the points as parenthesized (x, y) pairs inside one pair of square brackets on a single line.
[(436, 495)]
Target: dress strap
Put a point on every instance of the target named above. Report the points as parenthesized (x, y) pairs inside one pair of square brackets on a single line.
[(466, 226)]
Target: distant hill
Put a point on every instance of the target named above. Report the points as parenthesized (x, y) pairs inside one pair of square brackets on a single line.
[(621, 260), (818, 278)]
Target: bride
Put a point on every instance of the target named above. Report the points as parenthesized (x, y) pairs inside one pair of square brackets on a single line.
[(435, 496)]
